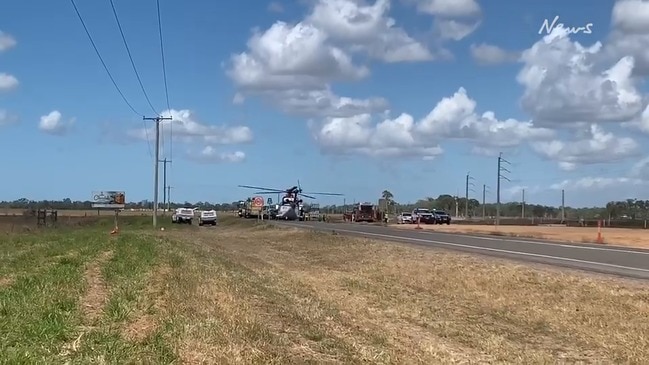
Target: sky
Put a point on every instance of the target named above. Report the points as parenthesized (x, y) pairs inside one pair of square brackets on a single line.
[(346, 96)]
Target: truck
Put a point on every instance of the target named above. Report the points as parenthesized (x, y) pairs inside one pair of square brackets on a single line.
[(182, 215), (364, 212), (207, 217)]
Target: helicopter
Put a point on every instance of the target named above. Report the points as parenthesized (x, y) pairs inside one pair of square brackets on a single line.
[(290, 205)]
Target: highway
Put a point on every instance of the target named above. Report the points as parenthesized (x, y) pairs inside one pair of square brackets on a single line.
[(621, 261)]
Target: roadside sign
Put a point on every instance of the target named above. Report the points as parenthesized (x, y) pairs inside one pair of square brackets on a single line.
[(108, 199), (258, 203)]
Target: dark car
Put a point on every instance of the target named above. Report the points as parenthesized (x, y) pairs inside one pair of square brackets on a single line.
[(441, 217), (424, 215)]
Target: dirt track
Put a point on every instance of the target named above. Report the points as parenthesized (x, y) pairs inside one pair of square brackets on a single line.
[(615, 236)]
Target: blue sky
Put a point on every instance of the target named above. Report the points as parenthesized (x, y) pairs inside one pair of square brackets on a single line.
[(265, 93)]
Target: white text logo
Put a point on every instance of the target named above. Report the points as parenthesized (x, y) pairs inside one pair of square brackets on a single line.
[(587, 29)]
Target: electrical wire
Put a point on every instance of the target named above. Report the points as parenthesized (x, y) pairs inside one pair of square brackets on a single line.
[(94, 46), (137, 75), (164, 75), (130, 57)]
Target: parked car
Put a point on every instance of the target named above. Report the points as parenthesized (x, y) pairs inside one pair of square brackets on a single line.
[(404, 218), (207, 217), (441, 217), (424, 215)]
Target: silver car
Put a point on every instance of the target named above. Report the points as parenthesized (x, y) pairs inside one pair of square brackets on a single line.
[(404, 218)]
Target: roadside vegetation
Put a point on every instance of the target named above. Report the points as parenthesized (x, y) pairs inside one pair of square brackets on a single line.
[(244, 292)]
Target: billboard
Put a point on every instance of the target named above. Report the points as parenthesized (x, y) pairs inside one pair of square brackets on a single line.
[(108, 199)]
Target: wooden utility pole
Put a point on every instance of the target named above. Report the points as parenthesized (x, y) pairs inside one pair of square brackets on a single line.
[(156, 160), (500, 176), (164, 185)]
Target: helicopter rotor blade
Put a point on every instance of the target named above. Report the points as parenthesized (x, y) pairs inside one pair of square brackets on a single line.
[(262, 188), (307, 196), (330, 194), (267, 192)]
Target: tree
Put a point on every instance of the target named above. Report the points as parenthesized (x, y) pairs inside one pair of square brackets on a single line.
[(387, 195)]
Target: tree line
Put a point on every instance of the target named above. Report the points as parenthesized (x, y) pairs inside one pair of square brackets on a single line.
[(623, 209)]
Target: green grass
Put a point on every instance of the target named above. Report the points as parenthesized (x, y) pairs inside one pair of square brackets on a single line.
[(43, 286)]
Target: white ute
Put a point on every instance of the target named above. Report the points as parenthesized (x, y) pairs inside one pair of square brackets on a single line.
[(207, 217), (182, 215)]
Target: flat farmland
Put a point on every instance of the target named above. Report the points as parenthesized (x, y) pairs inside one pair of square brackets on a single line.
[(615, 236), (247, 292)]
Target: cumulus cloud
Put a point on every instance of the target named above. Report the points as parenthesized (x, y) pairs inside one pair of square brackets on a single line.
[(54, 124), (367, 28), (449, 8), (592, 147), (453, 117), (7, 82), (186, 128), (487, 54), (210, 154), (563, 86)]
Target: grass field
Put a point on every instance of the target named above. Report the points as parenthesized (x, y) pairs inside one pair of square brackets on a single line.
[(248, 293), (615, 236)]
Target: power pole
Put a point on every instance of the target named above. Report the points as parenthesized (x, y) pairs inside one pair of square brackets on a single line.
[(523, 205), (168, 197), (466, 195), (484, 197), (500, 176), (164, 184), (156, 159), (563, 206)]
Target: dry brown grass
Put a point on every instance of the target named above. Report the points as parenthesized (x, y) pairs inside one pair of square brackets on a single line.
[(287, 296), (96, 294), (79, 212), (615, 236)]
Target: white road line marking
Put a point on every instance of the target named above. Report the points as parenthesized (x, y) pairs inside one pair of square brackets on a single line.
[(483, 248), (576, 246)]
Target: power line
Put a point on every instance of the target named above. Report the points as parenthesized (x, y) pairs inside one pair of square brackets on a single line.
[(94, 46), (164, 76), (121, 31)]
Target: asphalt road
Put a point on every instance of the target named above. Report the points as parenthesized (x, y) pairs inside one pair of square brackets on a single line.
[(620, 261)]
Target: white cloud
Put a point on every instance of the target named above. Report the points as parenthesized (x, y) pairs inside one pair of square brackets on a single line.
[(7, 82), (453, 29), (367, 28), (563, 85), (6, 118), (292, 57), (358, 135), (186, 128), (449, 8), (453, 117), (456, 117), (54, 124), (487, 54), (592, 147), (631, 16), (630, 35), (6, 41), (324, 103), (210, 155)]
